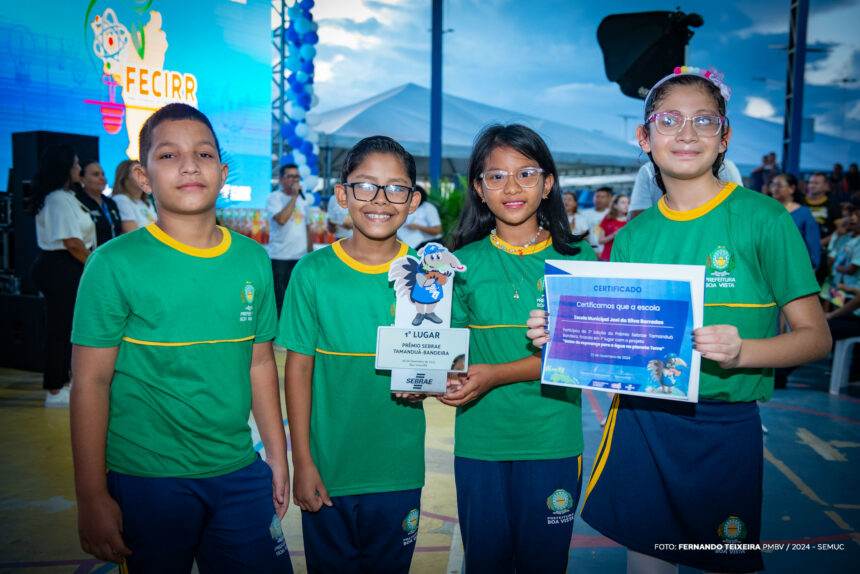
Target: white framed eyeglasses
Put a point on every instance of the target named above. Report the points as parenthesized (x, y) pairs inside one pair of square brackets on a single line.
[(672, 123), (498, 178)]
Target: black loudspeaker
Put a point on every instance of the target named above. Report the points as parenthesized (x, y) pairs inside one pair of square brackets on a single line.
[(22, 338), (27, 148), (641, 48)]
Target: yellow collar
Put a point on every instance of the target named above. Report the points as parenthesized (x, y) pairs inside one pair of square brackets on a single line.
[(691, 214), (363, 267), (219, 249)]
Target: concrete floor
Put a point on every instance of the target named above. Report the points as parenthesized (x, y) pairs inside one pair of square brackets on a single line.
[(811, 480)]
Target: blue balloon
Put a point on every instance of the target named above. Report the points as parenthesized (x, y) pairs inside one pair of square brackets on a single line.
[(317, 198), (303, 25), (293, 62), (306, 5), (306, 148), (294, 12), (302, 77), (287, 159), (296, 142), (288, 130), (303, 100), (310, 38), (315, 170), (313, 159), (292, 36), (308, 67), (308, 52)]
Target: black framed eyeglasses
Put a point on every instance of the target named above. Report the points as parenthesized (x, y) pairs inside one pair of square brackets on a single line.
[(366, 191)]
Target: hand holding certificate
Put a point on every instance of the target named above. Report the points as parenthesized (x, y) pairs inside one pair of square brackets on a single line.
[(624, 327)]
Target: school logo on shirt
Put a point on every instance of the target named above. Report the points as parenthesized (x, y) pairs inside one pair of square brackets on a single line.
[(560, 503), (410, 526), (721, 261), (720, 264), (247, 313)]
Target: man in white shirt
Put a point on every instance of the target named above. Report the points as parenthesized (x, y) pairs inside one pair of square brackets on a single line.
[(646, 192), (593, 217), (422, 225), (289, 229), (338, 221)]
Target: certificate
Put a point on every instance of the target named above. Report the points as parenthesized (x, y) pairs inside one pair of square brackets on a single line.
[(624, 327)]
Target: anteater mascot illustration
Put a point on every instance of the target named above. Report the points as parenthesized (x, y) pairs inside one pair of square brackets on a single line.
[(665, 373), (422, 279)]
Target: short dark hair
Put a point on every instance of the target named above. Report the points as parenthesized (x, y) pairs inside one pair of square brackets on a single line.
[(171, 112), (376, 144), (87, 163), (285, 167), (605, 188)]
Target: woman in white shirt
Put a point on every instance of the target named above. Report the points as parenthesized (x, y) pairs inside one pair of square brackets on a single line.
[(133, 203), (578, 223), (66, 235)]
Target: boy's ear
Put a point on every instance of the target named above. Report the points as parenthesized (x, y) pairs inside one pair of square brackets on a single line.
[(414, 202), (340, 194), (140, 175), (642, 138), (224, 171)]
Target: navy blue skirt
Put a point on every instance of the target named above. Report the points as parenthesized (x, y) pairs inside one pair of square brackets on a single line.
[(682, 482)]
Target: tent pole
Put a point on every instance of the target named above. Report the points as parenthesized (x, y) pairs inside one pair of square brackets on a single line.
[(436, 97), (327, 180), (793, 123)]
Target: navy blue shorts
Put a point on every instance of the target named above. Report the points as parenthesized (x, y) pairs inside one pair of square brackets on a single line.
[(517, 515), (228, 523), (363, 533), (669, 476)]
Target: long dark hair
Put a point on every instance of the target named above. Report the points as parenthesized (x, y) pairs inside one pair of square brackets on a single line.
[(52, 174), (660, 93), (477, 221)]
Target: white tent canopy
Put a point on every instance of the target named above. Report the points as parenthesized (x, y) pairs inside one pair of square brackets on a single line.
[(403, 113)]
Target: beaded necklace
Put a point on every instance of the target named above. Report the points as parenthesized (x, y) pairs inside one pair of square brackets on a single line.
[(516, 250)]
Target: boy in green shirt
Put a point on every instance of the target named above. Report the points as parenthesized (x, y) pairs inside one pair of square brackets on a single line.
[(172, 349), (358, 451)]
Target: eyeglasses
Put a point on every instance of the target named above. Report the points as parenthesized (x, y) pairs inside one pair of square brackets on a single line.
[(672, 123), (498, 178), (365, 191)]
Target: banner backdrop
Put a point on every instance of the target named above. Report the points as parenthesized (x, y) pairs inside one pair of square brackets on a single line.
[(101, 67)]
